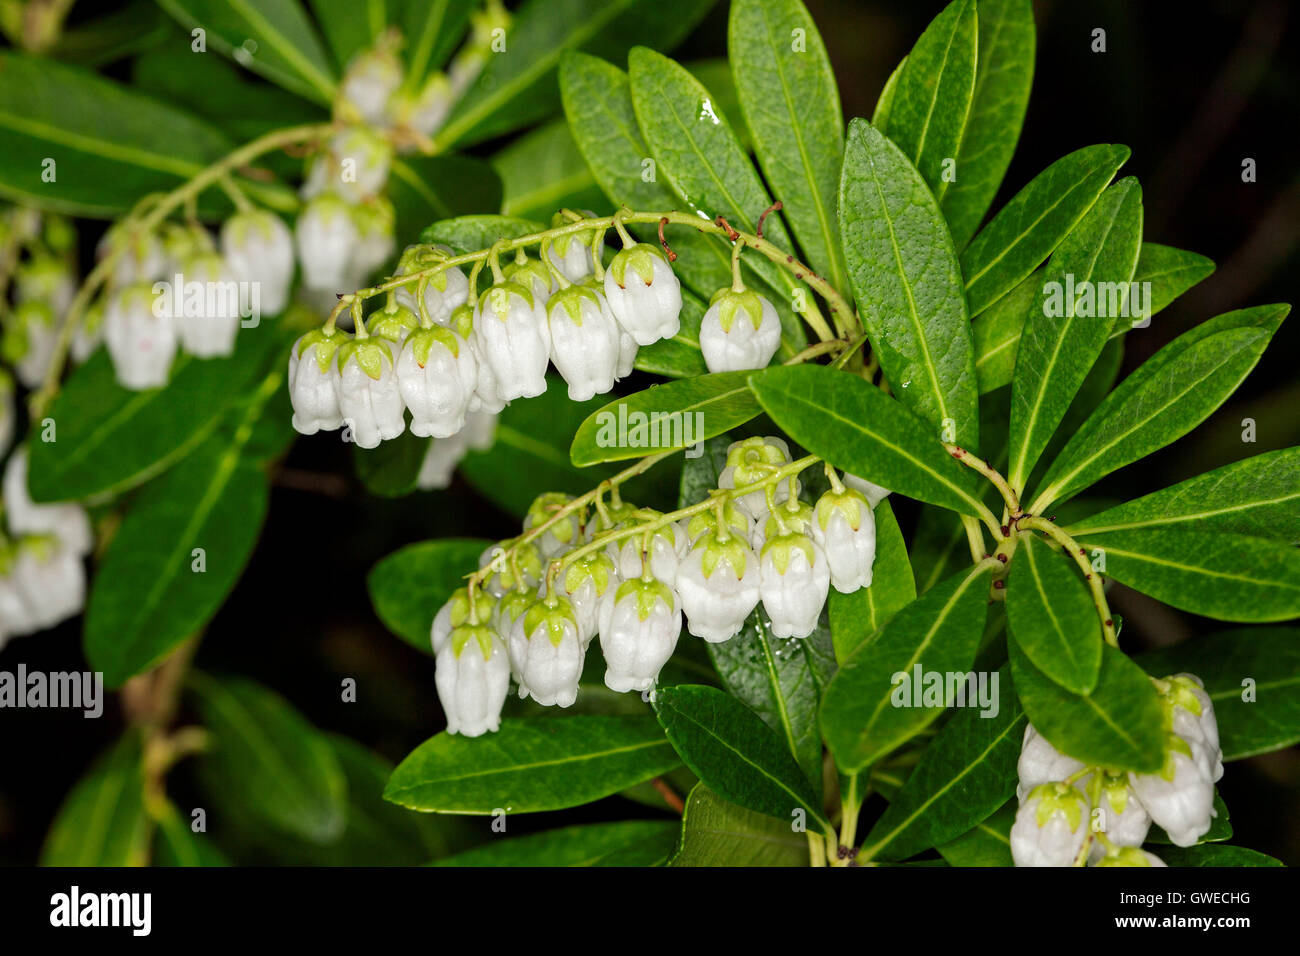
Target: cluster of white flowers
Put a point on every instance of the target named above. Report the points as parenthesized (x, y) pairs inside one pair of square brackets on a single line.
[(44, 284), (1060, 797), (42, 575), (713, 567)]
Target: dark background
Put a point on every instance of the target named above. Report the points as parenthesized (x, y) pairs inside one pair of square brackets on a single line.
[(1191, 88)]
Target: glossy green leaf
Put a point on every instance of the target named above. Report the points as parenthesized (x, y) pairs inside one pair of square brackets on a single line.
[(856, 617), (130, 29), (939, 547), (269, 759), (432, 29), (718, 833), (996, 333), (352, 25), (102, 821), (1230, 577), (986, 844), (531, 765), (965, 773), (1119, 724), (880, 115), (543, 171), (632, 843), (1004, 72), (1060, 345), (731, 750), (876, 701), (471, 233), (858, 428), (1051, 617), (907, 284), (931, 101), (1216, 855), (792, 108), (1169, 395), (438, 187), (1170, 271), (1035, 221), (409, 586)]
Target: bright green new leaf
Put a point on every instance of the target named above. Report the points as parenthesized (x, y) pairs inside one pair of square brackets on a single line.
[(1051, 616), (466, 234), (409, 586), (102, 821), (715, 832), (1170, 271)]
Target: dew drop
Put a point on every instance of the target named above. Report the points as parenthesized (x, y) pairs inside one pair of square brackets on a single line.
[(706, 112)]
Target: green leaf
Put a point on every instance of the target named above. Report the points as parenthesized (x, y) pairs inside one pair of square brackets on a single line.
[(1229, 577), (471, 233), (519, 87), (665, 418), (1170, 271), (176, 556), (996, 333), (987, 844), (102, 821), (869, 709), (1119, 724), (680, 356), (856, 427), (931, 101), (432, 29), (543, 171), (409, 586), (1051, 617), (177, 845), (531, 765), (1059, 345), (907, 284), (1035, 221), (855, 617), (392, 469), (965, 773), (939, 547), (880, 115), (439, 187), (718, 833), (792, 107), (1216, 855), (269, 759), (272, 37), (1169, 395), (137, 26), (352, 25), (1004, 72), (630, 843), (1258, 496), (731, 750)]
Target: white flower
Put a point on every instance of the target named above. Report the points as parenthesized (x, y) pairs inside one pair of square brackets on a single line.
[(327, 239), (312, 388), (437, 374), (535, 276), (50, 580), (586, 582), (456, 612), (208, 322), (142, 257), (846, 529), (584, 341), (258, 248), (369, 398), (510, 328), (440, 461), (89, 333), (1119, 814), (356, 164), (371, 79), (30, 335), (875, 494), (140, 343), (1050, 826), (662, 552), (66, 520), (639, 626), (48, 279), (562, 535), (375, 222), (627, 349), (755, 459), (571, 254), (1041, 763), (444, 292), (480, 430), (551, 653), (427, 111), (718, 585), (794, 581), (524, 570), (1192, 715), (644, 294), (794, 514), (1130, 856), (473, 676), (1180, 798), (734, 519), (740, 330)]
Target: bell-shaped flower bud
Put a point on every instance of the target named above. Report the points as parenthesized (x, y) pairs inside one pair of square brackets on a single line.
[(571, 253), (89, 333), (375, 221), (31, 332), (1051, 826), (258, 248), (1180, 797), (718, 584), (736, 522), (639, 626), (797, 517), (473, 676), (559, 537), (52, 579), (751, 460), (371, 79), (1119, 814), (209, 321), (740, 330), (794, 581), (370, 400), (586, 582), (140, 255), (141, 339), (521, 567), (1191, 714), (66, 521), (444, 292), (437, 374), (1041, 763), (551, 656), (510, 329), (659, 550), (644, 294), (457, 612), (486, 400), (846, 529), (584, 341), (627, 351), (875, 493), (480, 430), (327, 239), (533, 275), (312, 390), (48, 279), (428, 110), (359, 161), (1130, 856)]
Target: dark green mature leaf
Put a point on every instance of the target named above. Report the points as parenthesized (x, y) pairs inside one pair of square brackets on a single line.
[(350, 26), (432, 29), (1035, 221), (718, 833), (664, 418), (1004, 72), (1229, 577), (471, 233), (1096, 386), (95, 42), (1170, 271), (409, 586), (1169, 395), (102, 821), (875, 703), (931, 100), (1119, 724), (1257, 496), (729, 748), (987, 844), (543, 171), (1215, 854), (856, 427), (907, 284), (856, 617), (966, 772), (531, 765), (880, 115), (519, 87), (630, 843), (266, 755), (272, 37), (439, 187), (1253, 678), (996, 333), (1051, 617), (939, 547), (792, 107), (1063, 334)]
